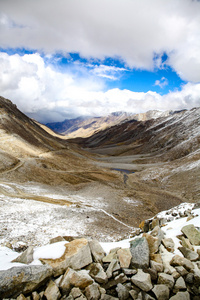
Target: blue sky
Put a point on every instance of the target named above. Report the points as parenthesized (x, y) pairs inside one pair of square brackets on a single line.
[(84, 57)]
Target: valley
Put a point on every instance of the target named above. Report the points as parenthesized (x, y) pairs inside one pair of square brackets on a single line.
[(102, 186)]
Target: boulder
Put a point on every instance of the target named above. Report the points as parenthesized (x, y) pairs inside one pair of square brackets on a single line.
[(169, 244), (179, 285), (92, 292), (189, 254), (166, 279), (161, 291), (142, 280), (122, 291), (77, 255), (153, 243), (21, 297), (140, 253), (121, 278), (113, 266), (181, 296), (112, 255), (96, 250), (35, 296), (24, 280), (186, 243), (52, 292), (192, 234), (97, 272), (124, 256), (72, 278), (26, 257), (157, 258), (181, 270), (76, 293), (182, 261), (156, 266)]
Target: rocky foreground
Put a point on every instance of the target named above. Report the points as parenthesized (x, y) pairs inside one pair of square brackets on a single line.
[(149, 268)]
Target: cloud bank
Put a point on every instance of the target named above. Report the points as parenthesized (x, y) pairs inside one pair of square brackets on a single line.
[(138, 32), (49, 95)]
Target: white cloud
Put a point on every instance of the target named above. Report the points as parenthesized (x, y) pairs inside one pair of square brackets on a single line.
[(162, 82), (49, 95), (131, 29), (109, 72)]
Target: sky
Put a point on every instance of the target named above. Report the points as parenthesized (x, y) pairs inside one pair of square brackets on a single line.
[(67, 58)]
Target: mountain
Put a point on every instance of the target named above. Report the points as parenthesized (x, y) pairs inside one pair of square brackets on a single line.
[(102, 186), (85, 127), (167, 149)]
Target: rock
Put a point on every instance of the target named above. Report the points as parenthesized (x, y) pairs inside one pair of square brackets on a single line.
[(108, 297), (161, 291), (35, 296), (157, 258), (121, 278), (181, 296), (153, 273), (77, 255), (179, 285), (122, 291), (181, 270), (186, 243), (26, 257), (52, 292), (192, 234), (96, 271), (56, 240), (157, 232), (146, 296), (113, 266), (76, 293), (96, 250), (21, 297), (153, 243), (166, 279), (157, 266), (189, 278), (58, 280), (129, 272), (140, 253), (112, 255), (176, 275), (181, 261), (189, 254), (72, 278), (92, 292), (23, 280), (124, 256), (142, 280), (144, 225), (169, 244), (155, 222), (134, 294)]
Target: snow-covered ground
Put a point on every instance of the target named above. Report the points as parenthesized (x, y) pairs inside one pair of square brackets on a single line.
[(171, 230)]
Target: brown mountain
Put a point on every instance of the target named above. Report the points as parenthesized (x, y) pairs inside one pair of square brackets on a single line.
[(93, 178)]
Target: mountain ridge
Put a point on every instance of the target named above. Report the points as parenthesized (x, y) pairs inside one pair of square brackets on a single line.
[(87, 126)]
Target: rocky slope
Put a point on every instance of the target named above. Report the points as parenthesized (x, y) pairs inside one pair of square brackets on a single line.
[(162, 261)]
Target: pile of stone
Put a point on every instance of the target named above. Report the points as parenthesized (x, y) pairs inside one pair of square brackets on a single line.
[(148, 269)]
